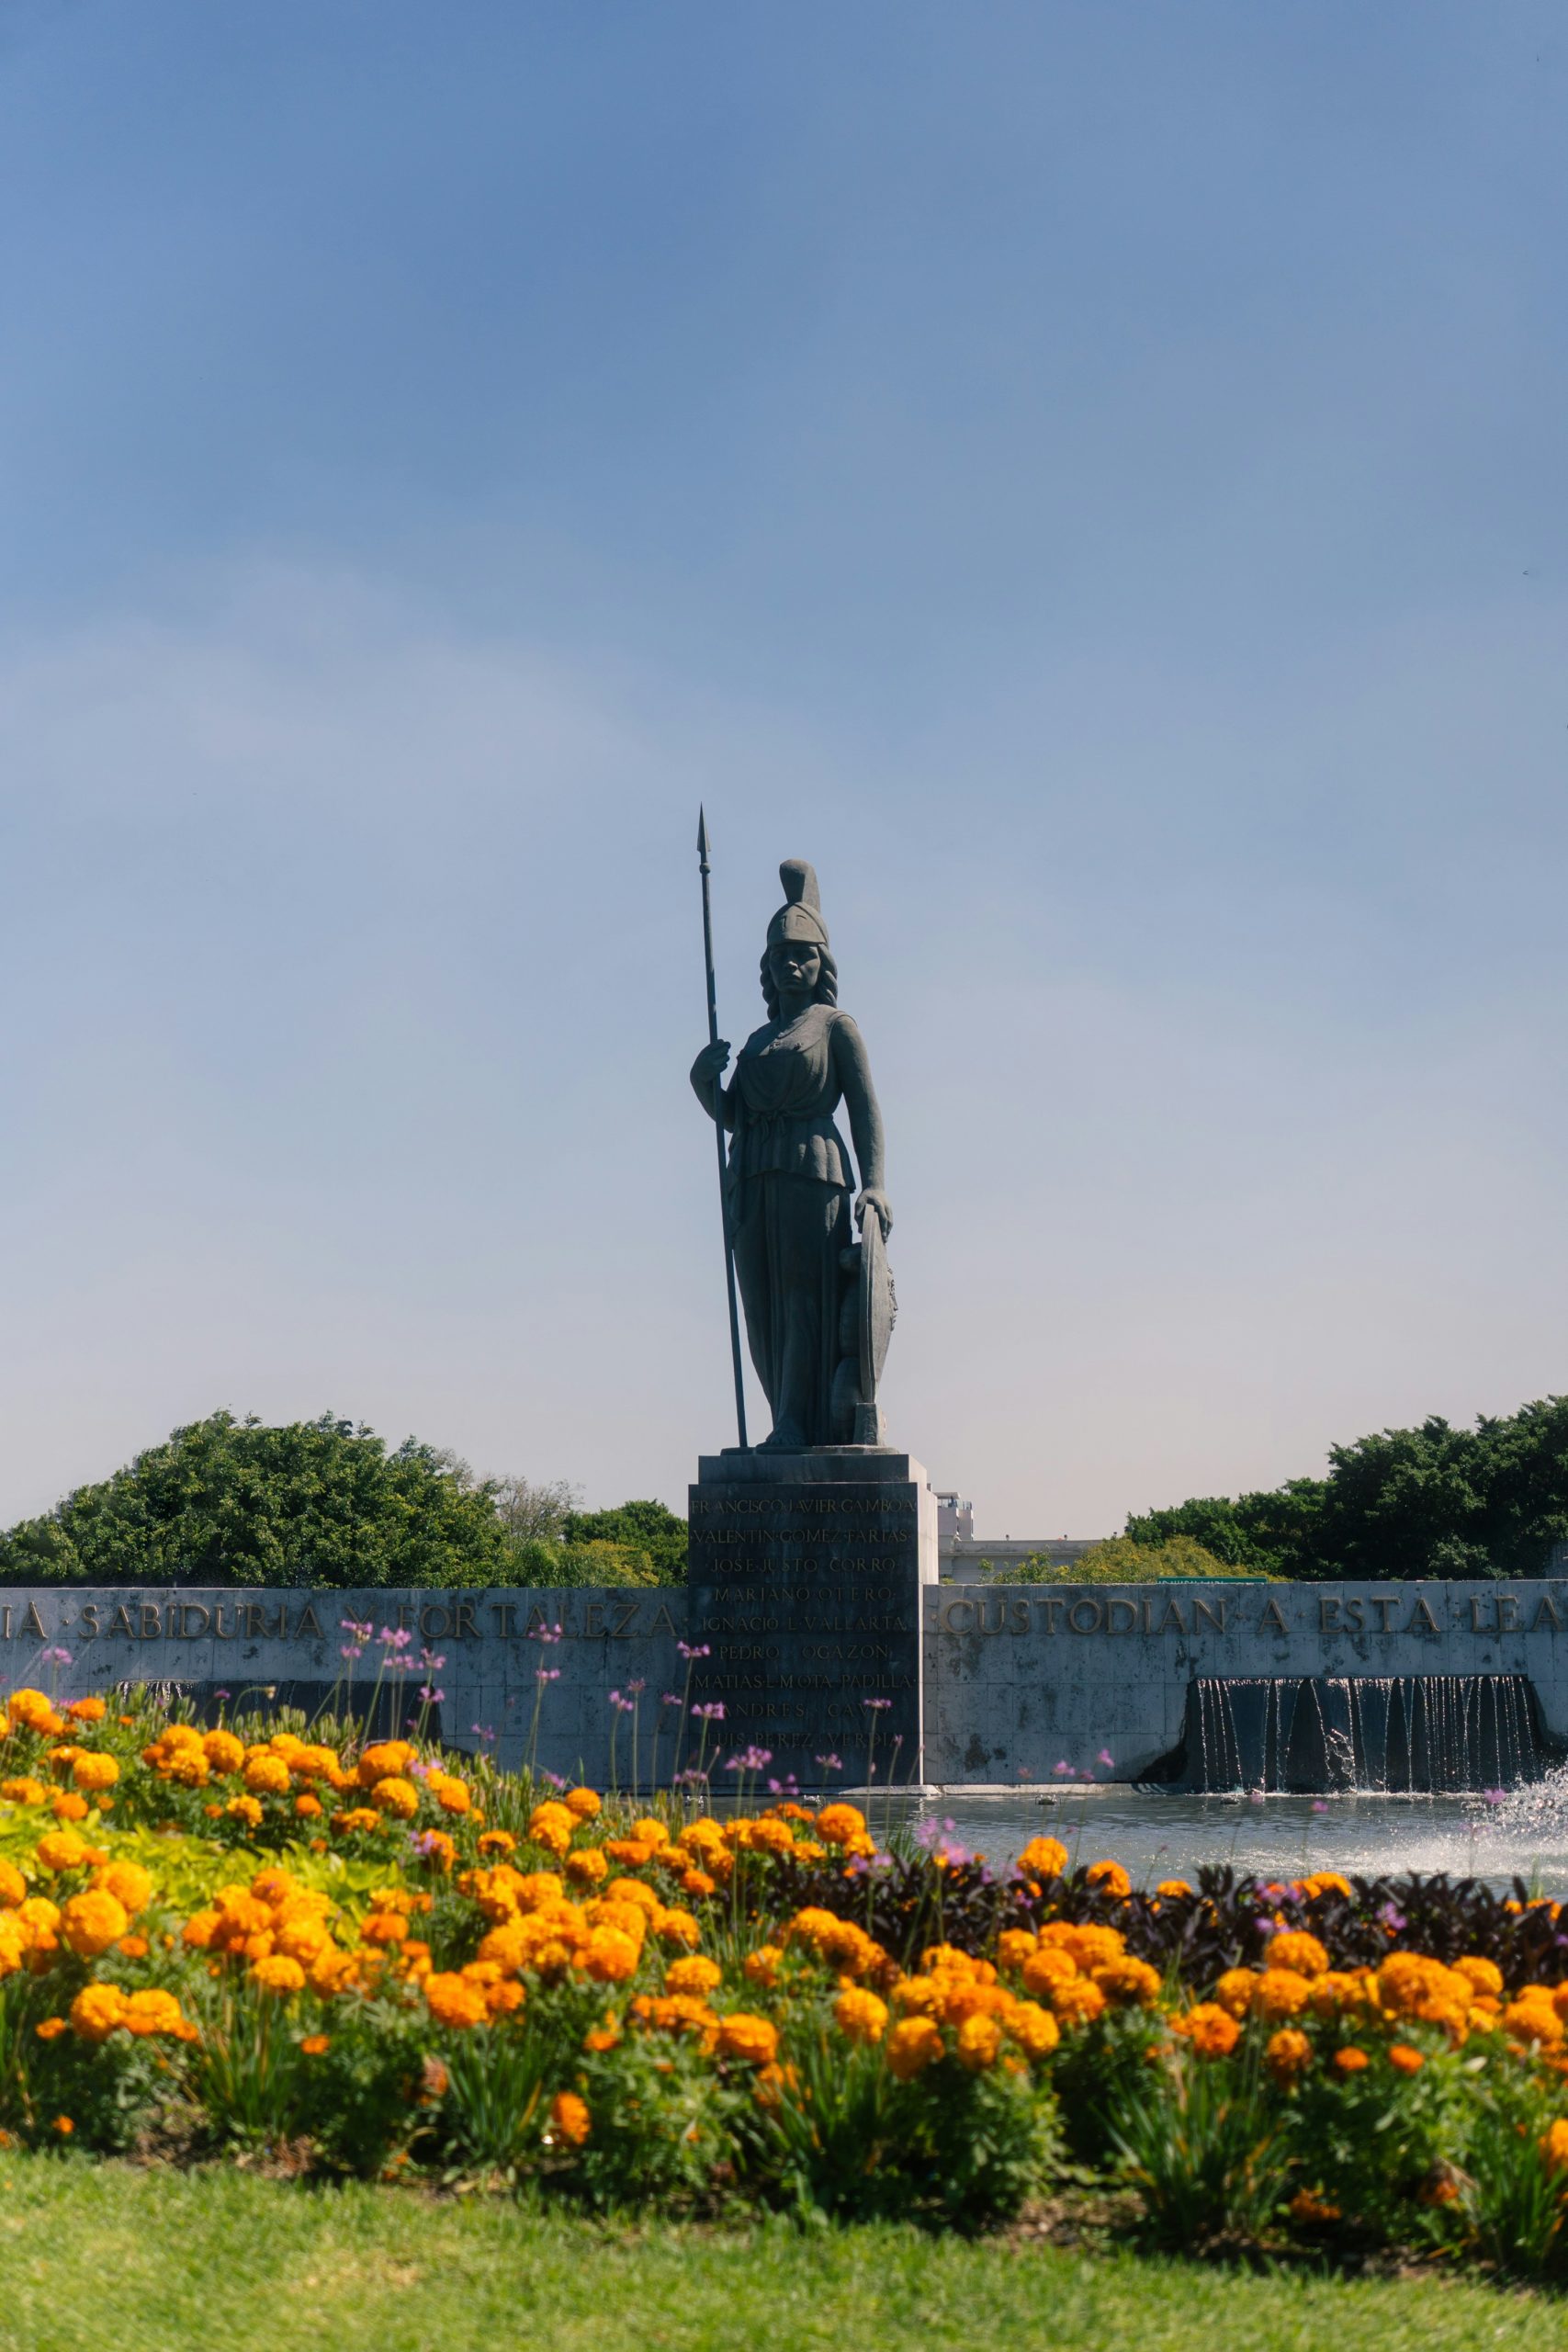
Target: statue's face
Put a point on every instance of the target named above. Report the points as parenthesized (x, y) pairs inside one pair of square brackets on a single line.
[(797, 967)]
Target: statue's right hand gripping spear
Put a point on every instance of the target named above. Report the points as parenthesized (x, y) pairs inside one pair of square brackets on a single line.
[(718, 1131)]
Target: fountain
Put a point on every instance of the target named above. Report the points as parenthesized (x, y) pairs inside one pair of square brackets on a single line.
[(1395, 1734)]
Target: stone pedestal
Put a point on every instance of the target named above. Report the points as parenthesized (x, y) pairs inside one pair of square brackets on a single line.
[(806, 1581)]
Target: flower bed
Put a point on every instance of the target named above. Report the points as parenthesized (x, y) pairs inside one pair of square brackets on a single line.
[(395, 1962)]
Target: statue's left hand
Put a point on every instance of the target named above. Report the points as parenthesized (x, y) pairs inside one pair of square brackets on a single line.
[(877, 1201)]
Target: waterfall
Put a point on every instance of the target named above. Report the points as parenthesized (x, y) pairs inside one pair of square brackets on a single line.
[(1398, 1733)]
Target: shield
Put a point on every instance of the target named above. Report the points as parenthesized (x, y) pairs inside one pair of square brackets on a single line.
[(878, 1305)]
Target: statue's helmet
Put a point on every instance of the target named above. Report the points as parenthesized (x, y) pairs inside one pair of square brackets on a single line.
[(800, 917)]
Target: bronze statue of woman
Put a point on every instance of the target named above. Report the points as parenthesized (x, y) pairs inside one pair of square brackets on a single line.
[(788, 1184)]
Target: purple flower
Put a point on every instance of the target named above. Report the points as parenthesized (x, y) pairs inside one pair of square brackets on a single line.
[(713, 1713), (425, 1842), (671, 1699), (1489, 1796), (395, 1639), (1063, 1770), (351, 1650), (56, 1657), (431, 1698), (545, 1633), (556, 1779), (829, 1763), (622, 1706), (1391, 1918), (877, 1703), (750, 1759), (637, 1689), (546, 1674), (694, 1649), (1319, 1806), (431, 1664), (352, 1625), (1106, 1757)]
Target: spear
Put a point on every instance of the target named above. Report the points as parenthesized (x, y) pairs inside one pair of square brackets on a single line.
[(719, 1133)]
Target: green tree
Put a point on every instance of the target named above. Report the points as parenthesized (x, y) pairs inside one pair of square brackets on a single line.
[(1432, 1501), (230, 1502), (649, 1527)]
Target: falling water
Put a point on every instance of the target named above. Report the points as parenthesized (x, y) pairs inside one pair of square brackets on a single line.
[(1393, 1734)]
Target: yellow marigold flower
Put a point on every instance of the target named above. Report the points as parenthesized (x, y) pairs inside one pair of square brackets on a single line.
[(199, 1929), (96, 2010), (1326, 1882), (1293, 1948), (13, 1886), (1481, 1975), (24, 1791), (979, 2041), (1033, 2028), (277, 1973), (223, 1752), (1109, 1876), (266, 1775), (1078, 2002), (861, 2016), (1044, 1969), (247, 1809), (1351, 2060), (838, 1824), (610, 1956), (1532, 2018), (91, 1771), (128, 1882), (582, 1803), (697, 1882), (1287, 2054), (331, 1970), (1044, 1858), (151, 2012), (1014, 1946), (1280, 1992), (551, 1825), (634, 1891), (677, 1928), (1090, 1944), (89, 1710), (1335, 1991), (451, 1795), (1235, 1990), (1173, 1888), (741, 2035), (91, 1922), (456, 2000), (1128, 1982), (384, 1761), (652, 1831), (31, 1709), (357, 1818), (1553, 2146), (761, 1966), (912, 2047), (13, 1945), (569, 2118), (497, 1841), (396, 1796), (61, 1850), (696, 1974), (585, 1869)]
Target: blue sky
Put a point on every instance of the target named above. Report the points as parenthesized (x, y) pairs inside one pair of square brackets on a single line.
[(1091, 477)]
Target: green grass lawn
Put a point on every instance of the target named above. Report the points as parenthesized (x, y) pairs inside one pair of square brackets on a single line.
[(110, 2259)]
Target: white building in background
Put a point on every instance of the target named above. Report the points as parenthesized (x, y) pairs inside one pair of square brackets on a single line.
[(967, 1558)]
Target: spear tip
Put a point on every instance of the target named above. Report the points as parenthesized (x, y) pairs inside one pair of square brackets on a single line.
[(702, 831)]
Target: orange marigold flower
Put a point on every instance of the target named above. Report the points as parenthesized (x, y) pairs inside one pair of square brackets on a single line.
[(1129, 1982), (585, 1869), (1213, 2031), (13, 1886), (277, 1974), (455, 2000), (63, 2125), (89, 1710), (1233, 1992), (912, 2047), (761, 1966), (838, 1824), (90, 1923), (741, 2035), (316, 2045), (696, 1974), (152, 2012), (91, 1771), (1351, 2060), (68, 1806), (582, 1803), (1481, 1975), (1281, 1993), (610, 1956), (861, 2016), (1408, 2061), (979, 2041), (1294, 1949), (1044, 1858), (1173, 1888), (1306, 2205), (50, 2028), (1109, 1876), (96, 2010), (497, 1841), (569, 2118), (1287, 2054), (266, 1775)]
